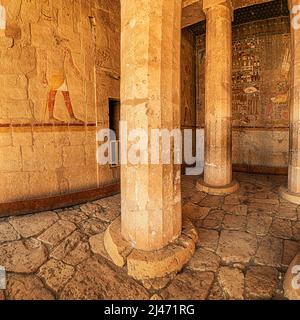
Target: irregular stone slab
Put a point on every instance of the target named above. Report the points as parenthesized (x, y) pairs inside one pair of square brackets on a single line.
[(73, 250), (214, 219), (239, 210), (291, 283), (204, 260), (95, 280), (32, 225), (261, 282), (296, 230), (289, 213), (259, 223), (290, 250), (189, 285), (59, 231), (236, 246), (56, 274), (74, 216), (20, 287), (7, 232), (216, 292), (233, 222), (232, 282), (212, 201), (92, 227), (208, 239), (195, 212), (281, 229), (22, 256), (269, 252)]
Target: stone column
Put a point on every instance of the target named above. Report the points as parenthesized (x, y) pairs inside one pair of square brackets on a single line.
[(151, 216), (218, 99), (292, 192)]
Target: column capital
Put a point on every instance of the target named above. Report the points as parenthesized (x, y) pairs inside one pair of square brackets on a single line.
[(209, 4)]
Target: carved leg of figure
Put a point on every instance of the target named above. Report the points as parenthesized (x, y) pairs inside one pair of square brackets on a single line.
[(51, 104), (69, 106)]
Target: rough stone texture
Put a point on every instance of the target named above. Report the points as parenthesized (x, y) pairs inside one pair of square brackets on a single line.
[(190, 285), (22, 256), (30, 287), (261, 282), (56, 274), (232, 282), (236, 246), (95, 280), (292, 280), (95, 277), (32, 225), (7, 232), (57, 232), (269, 252), (73, 250), (204, 260)]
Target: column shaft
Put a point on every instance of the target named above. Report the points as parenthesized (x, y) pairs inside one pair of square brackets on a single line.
[(218, 96), (294, 152), (150, 89)]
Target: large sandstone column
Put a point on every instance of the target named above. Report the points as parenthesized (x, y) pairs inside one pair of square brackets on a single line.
[(292, 192), (150, 62), (150, 99), (218, 99)]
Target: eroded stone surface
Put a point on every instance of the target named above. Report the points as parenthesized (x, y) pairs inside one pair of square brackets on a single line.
[(22, 256), (20, 287), (236, 246), (7, 232), (32, 225), (190, 285), (57, 232), (95, 280), (56, 274), (261, 282), (232, 282)]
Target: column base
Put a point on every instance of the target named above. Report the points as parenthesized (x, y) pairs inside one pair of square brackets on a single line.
[(289, 196), (142, 265), (217, 191)]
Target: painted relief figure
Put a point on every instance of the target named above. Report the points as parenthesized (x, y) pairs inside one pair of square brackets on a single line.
[(57, 82), (2, 18)]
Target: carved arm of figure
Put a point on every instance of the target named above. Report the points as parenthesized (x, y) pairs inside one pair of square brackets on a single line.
[(72, 63), (45, 82)]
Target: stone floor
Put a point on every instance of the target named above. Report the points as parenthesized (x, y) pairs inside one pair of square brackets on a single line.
[(246, 242)]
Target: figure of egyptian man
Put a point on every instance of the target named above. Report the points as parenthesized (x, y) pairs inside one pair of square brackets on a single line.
[(57, 81)]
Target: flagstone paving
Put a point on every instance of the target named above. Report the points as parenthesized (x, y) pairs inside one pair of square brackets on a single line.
[(246, 242)]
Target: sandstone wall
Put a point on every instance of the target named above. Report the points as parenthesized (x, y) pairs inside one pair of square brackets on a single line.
[(261, 66), (66, 51)]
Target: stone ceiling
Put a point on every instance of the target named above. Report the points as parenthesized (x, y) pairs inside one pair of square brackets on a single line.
[(262, 11), (192, 9)]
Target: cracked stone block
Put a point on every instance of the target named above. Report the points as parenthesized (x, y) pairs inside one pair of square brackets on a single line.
[(22, 256), (30, 287), (95, 280), (32, 225), (232, 282), (56, 274), (261, 282), (269, 252), (7, 232), (190, 285), (204, 260), (57, 232), (236, 246)]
